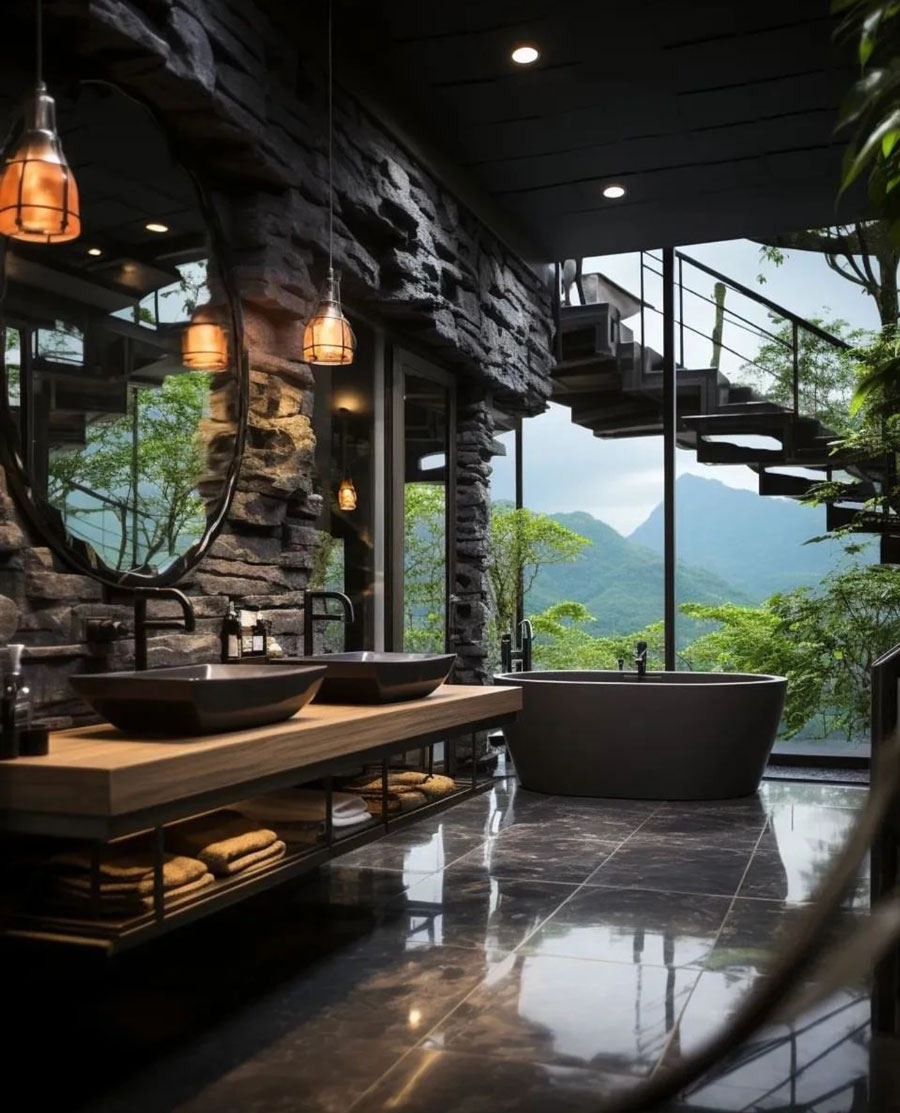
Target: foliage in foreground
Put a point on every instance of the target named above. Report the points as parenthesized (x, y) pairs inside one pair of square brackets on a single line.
[(824, 641)]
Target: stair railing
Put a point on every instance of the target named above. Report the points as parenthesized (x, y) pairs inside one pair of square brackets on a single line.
[(798, 324)]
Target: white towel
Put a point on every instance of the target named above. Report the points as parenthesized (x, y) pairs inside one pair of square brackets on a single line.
[(304, 805)]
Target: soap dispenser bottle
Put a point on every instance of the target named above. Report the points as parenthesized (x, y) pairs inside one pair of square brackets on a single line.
[(231, 634)]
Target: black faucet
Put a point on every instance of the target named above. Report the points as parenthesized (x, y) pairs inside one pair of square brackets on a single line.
[(518, 658), (310, 617), (142, 624), (640, 659)]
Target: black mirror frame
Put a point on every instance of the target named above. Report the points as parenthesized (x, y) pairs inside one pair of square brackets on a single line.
[(76, 553)]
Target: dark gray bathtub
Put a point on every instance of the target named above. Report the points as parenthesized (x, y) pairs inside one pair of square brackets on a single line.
[(668, 736)]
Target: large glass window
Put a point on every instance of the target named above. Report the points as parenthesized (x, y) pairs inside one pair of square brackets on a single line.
[(344, 424), (423, 493)]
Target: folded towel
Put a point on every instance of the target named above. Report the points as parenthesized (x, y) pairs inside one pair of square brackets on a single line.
[(123, 905), (299, 805), (265, 857), (220, 838), (125, 874)]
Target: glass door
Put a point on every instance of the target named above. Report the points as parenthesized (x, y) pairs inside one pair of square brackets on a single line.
[(423, 504)]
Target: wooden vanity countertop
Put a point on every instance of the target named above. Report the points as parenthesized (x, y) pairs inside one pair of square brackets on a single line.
[(97, 771)]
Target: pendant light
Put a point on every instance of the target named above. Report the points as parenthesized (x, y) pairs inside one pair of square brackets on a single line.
[(346, 495), (38, 194), (204, 344), (328, 337)]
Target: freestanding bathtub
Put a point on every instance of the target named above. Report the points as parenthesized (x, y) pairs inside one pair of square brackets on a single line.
[(664, 736)]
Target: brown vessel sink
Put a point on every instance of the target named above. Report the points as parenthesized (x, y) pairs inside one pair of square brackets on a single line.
[(370, 677), (199, 699)]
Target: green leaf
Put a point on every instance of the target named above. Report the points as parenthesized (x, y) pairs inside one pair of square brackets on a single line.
[(855, 160), (889, 142), (885, 375)]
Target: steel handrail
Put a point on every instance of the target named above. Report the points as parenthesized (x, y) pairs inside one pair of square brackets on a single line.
[(741, 322), (816, 330), (737, 320)]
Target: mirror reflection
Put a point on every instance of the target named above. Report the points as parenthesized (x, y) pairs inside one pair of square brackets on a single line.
[(120, 361)]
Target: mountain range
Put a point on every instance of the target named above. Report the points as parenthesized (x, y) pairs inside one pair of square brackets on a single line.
[(733, 546), (760, 545)]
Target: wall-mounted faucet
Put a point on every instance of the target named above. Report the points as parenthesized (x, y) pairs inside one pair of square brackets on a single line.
[(640, 659), (310, 617), (142, 624), (518, 657)]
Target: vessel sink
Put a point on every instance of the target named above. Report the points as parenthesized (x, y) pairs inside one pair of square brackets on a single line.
[(369, 677), (199, 699)]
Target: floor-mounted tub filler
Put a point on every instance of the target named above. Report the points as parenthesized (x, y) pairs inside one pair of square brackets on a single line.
[(662, 736)]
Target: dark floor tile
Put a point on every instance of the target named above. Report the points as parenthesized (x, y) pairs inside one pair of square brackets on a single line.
[(317, 1078), (468, 908), (493, 811), (606, 1016), (633, 925), (416, 850), (787, 1064), (720, 826), (630, 813), (361, 887), (794, 877), (435, 1081), (558, 820), (678, 866), (774, 793), (755, 929), (538, 851)]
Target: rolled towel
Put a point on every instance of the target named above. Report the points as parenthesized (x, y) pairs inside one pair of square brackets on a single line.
[(432, 784), (300, 805), (406, 800), (221, 838), (266, 857), (118, 865), (303, 834)]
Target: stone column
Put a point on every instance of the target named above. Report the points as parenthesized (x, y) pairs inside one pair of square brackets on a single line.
[(474, 439)]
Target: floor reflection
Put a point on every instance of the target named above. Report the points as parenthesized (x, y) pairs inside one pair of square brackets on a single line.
[(517, 954)]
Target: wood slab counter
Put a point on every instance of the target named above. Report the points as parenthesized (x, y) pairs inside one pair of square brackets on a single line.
[(97, 772)]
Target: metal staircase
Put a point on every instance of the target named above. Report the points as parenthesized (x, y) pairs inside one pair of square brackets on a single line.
[(613, 385)]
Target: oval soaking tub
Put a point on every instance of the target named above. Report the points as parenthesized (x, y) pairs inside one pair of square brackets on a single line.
[(665, 736)]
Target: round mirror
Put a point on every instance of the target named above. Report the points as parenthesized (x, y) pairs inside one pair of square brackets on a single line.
[(122, 374)]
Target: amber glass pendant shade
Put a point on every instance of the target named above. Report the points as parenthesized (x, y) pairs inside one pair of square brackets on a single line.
[(328, 337), (204, 343), (38, 194), (347, 495)]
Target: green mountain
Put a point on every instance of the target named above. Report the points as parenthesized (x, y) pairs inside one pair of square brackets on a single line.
[(752, 542), (621, 582)]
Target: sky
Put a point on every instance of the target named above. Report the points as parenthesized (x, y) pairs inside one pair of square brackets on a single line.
[(567, 468)]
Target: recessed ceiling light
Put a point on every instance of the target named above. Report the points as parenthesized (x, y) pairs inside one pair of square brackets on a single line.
[(614, 191), (94, 251), (525, 54), (154, 226)]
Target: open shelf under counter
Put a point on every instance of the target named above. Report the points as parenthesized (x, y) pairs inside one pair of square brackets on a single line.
[(97, 785)]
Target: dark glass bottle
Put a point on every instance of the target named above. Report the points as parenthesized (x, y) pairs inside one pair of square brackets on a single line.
[(260, 637), (231, 634)]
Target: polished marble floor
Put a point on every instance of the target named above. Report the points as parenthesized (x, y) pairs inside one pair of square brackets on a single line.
[(517, 954)]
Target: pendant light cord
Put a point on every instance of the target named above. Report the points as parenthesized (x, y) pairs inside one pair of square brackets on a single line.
[(330, 141), (39, 34)]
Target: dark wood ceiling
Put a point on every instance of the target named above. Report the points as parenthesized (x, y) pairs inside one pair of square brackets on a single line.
[(716, 115)]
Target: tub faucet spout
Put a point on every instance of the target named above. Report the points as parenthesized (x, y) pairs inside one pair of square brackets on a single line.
[(517, 656), (640, 659)]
